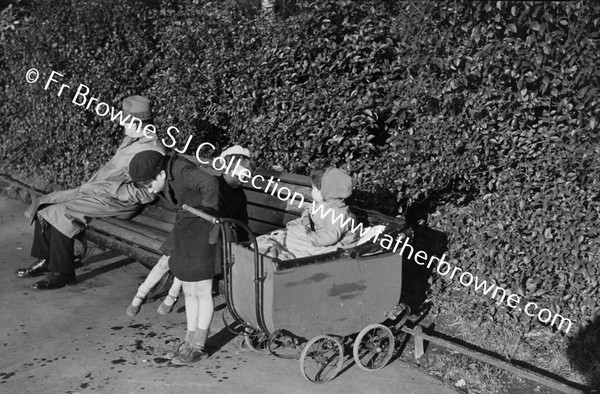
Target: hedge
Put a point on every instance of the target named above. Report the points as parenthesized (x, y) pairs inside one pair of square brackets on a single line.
[(487, 111)]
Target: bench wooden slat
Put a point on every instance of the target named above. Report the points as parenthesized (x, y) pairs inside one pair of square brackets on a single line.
[(275, 218), (294, 179), (295, 202), (153, 223), (159, 214), (260, 228), (275, 188), (147, 258), (266, 200), (141, 229), (257, 197), (107, 228), (286, 177)]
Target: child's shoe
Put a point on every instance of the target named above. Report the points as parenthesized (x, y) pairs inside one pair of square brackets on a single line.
[(164, 308), (191, 356), (133, 309), (181, 348)]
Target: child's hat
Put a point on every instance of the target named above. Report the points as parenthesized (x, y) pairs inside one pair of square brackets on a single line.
[(236, 149), (336, 184), (146, 165)]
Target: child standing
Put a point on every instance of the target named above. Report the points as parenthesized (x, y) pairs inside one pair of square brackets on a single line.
[(193, 256), (232, 204)]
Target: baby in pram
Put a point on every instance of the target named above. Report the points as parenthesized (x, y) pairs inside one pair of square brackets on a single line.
[(323, 227)]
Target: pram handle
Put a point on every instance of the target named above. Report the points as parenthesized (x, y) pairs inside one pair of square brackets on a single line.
[(201, 214)]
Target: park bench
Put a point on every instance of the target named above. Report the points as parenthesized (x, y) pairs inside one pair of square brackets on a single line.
[(141, 236)]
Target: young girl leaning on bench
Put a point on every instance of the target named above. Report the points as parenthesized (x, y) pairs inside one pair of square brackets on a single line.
[(191, 250)]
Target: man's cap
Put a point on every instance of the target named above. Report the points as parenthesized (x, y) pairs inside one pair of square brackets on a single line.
[(146, 165), (138, 106)]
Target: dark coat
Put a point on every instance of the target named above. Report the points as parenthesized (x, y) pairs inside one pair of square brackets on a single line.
[(233, 204), (192, 256)]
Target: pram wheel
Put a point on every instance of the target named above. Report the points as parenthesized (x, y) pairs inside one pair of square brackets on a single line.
[(373, 347), (256, 341), (322, 359), (283, 345), (400, 316), (235, 328)]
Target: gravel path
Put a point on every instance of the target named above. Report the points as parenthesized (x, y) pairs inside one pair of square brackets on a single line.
[(78, 339)]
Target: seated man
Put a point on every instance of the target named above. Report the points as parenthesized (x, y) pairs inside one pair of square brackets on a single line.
[(61, 215)]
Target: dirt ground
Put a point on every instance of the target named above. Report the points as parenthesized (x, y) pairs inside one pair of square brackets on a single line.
[(78, 339)]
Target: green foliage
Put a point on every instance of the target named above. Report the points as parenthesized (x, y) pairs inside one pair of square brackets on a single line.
[(491, 107), (103, 45)]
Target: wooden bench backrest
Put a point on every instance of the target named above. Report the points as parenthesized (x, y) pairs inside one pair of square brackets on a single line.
[(266, 211)]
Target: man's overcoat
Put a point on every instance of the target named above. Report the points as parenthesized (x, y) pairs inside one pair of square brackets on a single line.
[(108, 193)]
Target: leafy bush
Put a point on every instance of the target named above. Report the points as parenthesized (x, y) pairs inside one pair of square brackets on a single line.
[(102, 45), (487, 110)]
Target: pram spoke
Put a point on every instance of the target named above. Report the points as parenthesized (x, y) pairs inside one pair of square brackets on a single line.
[(232, 326), (284, 345), (256, 341), (373, 347), (322, 359)]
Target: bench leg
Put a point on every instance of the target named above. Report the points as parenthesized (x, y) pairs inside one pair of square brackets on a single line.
[(418, 338)]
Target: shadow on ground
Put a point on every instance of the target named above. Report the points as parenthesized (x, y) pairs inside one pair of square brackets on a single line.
[(104, 269), (583, 352), (415, 277)]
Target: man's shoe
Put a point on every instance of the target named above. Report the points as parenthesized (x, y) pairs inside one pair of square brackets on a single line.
[(35, 269), (192, 356), (53, 280)]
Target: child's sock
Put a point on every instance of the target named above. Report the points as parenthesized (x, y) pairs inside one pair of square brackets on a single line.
[(142, 292), (138, 299), (136, 303), (169, 300), (199, 339), (189, 336), (144, 289)]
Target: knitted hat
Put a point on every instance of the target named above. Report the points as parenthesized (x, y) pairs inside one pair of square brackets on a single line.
[(146, 165), (236, 149), (336, 184)]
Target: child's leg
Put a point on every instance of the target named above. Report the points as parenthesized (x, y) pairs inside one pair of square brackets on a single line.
[(199, 317), (157, 272), (175, 289), (191, 305), (167, 304), (191, 313), (206, 309)]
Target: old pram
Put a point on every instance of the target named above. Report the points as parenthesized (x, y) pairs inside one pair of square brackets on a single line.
[(312, 307)]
